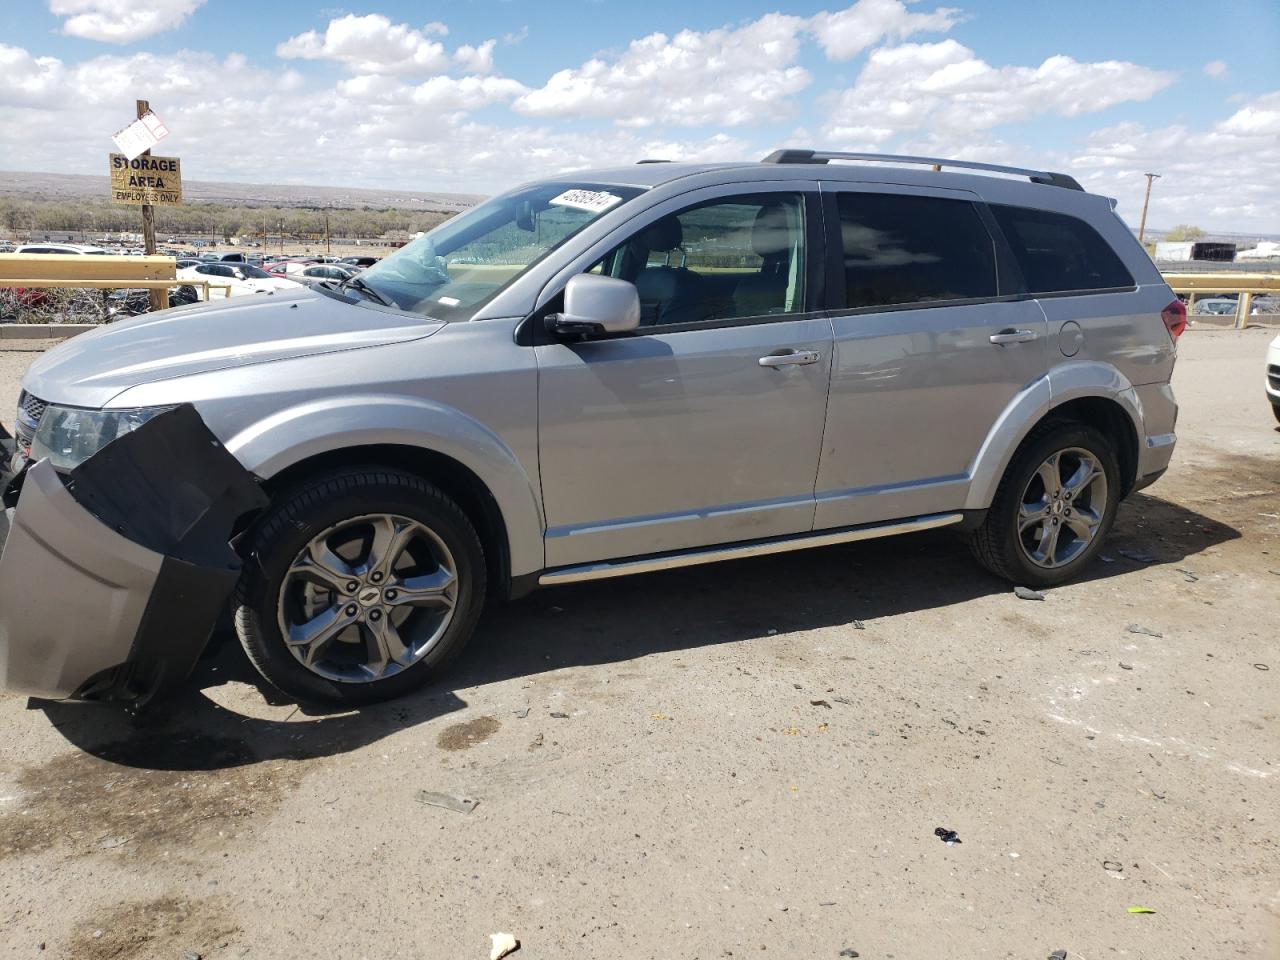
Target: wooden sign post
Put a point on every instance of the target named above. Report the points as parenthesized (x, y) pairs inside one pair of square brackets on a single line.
[(159, 298)]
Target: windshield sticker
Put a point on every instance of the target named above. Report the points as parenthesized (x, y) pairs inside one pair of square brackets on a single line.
[(449, 301), (596, 201)]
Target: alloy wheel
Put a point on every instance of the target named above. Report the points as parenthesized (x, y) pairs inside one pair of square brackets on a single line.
[(1062, 507), (368, 598)]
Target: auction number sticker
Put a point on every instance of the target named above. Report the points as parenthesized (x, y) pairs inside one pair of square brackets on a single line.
[(596, 201)]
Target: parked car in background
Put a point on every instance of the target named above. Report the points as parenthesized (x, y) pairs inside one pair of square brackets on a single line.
[(71, 248), (1273, 377), (242, 279), (605, 373), (1230, 306), (1215, 307), (359, 262), (37, 297), (287, 268), (325, 271)]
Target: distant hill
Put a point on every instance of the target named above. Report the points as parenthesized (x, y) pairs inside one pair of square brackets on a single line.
[(73, 186)]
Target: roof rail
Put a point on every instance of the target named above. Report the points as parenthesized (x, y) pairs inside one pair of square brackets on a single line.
[(822, 156)]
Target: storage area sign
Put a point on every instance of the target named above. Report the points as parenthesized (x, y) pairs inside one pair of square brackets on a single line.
[(146, 179)]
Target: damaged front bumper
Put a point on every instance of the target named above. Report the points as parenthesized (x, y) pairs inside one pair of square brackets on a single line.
[(113, 575)]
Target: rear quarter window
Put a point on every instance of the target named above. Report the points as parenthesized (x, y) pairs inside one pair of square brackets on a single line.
[(1059, 253)]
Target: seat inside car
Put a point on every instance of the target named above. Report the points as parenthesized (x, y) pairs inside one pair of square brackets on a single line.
[(667, 294), (766, 292)]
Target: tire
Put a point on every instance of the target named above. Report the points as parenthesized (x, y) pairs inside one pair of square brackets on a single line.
[(1021, 557), (339, 518), (1275, 409)]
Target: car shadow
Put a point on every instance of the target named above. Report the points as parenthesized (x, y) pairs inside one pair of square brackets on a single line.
[(602, 623)]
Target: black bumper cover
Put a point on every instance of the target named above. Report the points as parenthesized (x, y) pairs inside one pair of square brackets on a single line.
[(172, 488)]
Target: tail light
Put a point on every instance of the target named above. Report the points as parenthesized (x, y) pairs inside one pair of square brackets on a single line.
[(1175, 318)]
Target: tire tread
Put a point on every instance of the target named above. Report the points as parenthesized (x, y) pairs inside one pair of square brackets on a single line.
[(988, 542), (310, 495)]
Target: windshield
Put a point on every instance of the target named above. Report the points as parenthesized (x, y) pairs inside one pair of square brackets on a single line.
[(449, 273), (253, 273)]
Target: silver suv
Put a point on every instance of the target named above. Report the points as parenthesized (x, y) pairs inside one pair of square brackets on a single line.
[(601, 374)]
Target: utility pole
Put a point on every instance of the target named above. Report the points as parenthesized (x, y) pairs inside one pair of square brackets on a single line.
[(1142, 228), (327, 250), (159, 298)]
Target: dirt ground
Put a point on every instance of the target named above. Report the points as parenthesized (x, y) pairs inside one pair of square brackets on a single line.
[(748, 759)]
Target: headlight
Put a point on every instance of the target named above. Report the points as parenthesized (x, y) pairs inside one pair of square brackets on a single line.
[(69, 436)]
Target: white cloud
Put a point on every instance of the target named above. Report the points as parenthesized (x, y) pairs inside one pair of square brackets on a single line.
[(944, 87), (475, 59), (372, 129), (370, 44), (121, 21), (1260, 118), (1225, 177), (1216, 69), (729, 76), (404, 112), (26, 80), (724, 76), (439, 93), (846, 33)]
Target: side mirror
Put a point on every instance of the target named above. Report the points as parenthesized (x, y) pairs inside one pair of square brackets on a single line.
[(595, 306)]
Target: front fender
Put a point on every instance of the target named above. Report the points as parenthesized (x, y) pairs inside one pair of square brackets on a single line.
[(297, 433), (1064, 383)]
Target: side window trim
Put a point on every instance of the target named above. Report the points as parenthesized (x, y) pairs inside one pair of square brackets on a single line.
[(1009, 279), (531, 331)]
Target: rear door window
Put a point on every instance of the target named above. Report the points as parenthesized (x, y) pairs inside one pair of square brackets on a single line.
[(904, 249), (1058, 253)]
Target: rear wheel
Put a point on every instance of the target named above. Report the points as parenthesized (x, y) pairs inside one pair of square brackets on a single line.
[(362, 585), (1055, 504)]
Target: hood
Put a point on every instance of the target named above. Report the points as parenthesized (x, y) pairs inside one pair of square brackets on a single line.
[(88, 370)]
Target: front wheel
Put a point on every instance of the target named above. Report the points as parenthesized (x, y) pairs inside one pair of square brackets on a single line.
[(1275, 408), (1055, 505), (360, 586)]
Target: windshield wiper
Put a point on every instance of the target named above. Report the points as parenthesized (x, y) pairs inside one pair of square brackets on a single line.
[(366, 289)]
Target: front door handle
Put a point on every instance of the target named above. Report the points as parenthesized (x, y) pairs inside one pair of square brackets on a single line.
[(790, 358), (1013, 336)]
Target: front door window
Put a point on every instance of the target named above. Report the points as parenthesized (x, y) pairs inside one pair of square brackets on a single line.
[(725, 259)]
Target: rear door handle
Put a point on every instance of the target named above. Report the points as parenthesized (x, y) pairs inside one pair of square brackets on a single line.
[(1013, 336), (790, 358)]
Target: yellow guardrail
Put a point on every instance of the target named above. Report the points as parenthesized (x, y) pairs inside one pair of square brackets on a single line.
[(37, 271), (1245, 285)]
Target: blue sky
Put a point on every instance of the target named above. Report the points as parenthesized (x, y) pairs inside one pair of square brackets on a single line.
[(473, 95)]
